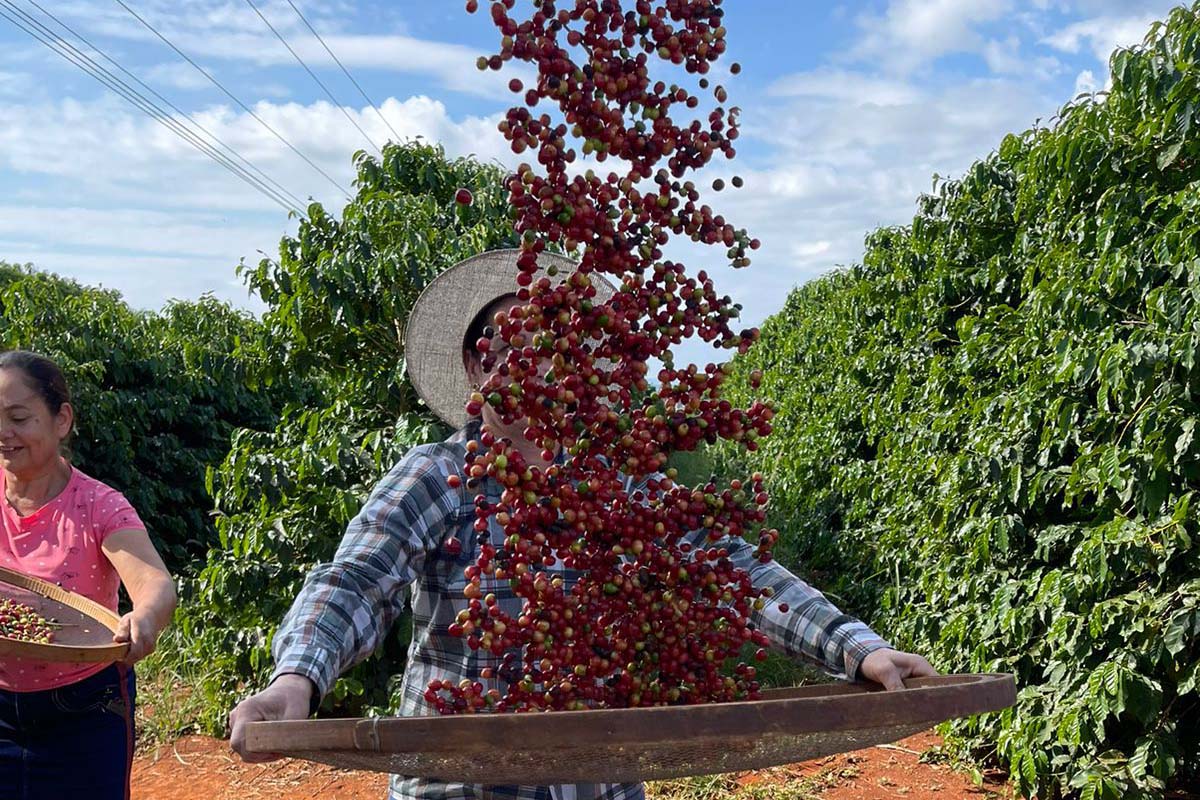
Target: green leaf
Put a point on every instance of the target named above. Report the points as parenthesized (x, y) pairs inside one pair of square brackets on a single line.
[(1184, 442), (1110, 467), (1168, 155)]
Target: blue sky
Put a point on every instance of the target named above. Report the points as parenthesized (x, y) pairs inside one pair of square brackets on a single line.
[(849, 110)]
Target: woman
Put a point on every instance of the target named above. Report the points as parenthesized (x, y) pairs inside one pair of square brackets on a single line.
[(66, 730), (415, 532)]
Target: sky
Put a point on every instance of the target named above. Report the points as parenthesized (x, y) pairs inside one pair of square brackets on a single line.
[(849, 111)]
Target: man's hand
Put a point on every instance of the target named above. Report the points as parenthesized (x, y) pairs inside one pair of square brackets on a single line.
[(891, 667), (287, 697)]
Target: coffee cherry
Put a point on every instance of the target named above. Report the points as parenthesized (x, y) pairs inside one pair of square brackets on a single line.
[(463, 197), (23, 623), (658, 606)]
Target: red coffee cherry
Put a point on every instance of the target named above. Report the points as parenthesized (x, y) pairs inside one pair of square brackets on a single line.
[(23, 623), (658, 606)]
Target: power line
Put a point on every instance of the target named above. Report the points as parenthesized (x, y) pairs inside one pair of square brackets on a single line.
[(298, 203), (81, 60), (231, 96), (312, 74), (370, 102), (68, 52)]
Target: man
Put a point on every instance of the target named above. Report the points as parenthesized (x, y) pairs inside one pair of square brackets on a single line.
[(416, 531)]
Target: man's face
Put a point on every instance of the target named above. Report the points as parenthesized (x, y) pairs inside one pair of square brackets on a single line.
[(473, 360)]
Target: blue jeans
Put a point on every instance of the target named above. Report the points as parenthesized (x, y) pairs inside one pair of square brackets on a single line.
[(72, 742)]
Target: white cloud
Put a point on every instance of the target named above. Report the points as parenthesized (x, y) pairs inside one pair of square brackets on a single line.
[(106, 148), (14, 83), (1086, 83), (1003, 56), (1157, 8), (912, 33), (145, 281), (1101, 35), (232, 32), (170, 234), (844, 86), (177, 75), (837, 164), (126, 204), (1010, 56), (809, 250)]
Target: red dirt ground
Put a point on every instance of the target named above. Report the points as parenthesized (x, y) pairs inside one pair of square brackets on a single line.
[(200, 768)]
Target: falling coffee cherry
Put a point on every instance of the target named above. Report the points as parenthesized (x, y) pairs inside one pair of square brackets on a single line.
[(659, 605)]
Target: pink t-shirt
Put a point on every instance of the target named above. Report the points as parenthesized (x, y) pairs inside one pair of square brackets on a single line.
[(60, 543)]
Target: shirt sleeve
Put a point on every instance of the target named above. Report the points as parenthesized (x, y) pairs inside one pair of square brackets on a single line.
[(111, 512), (812, 629), (348, 605)]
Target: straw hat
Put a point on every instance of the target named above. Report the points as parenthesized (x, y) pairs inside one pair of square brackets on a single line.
[(439, 320)]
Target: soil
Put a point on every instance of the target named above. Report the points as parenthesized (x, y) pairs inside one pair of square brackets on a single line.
[(901, 770), (200, 768)]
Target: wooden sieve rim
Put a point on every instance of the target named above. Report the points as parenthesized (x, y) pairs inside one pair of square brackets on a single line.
[(821, 708)]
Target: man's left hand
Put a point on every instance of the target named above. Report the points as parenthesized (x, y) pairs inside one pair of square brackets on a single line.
[(891, 667)]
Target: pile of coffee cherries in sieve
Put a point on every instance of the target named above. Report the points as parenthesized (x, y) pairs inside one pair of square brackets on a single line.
[(656, 612), (23, 623)]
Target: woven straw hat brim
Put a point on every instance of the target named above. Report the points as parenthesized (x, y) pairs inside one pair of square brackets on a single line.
[(439, 320)]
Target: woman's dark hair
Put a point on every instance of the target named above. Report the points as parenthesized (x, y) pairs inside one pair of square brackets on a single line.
[(42, 375), (481, 320)]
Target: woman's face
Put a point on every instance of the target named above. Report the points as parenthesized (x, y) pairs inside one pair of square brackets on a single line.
[(30, 435)]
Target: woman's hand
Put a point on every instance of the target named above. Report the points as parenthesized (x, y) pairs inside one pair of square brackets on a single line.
[(150, 588), (891, 667), (140, 632)]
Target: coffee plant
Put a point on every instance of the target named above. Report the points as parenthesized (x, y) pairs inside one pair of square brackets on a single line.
[(994, 417), (156, 395)]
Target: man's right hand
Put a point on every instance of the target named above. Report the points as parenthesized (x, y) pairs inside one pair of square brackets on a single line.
[(287, 697)]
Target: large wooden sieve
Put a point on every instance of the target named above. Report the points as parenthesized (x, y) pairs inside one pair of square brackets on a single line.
[(626, 745)]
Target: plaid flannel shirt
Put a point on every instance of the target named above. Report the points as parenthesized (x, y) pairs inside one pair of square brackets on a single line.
[(395, 544)]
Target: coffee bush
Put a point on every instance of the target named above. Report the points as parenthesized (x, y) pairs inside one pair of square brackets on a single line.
[(988, 427)]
